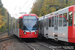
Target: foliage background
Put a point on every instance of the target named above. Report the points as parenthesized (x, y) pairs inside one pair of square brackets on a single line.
[(40, 8), (43, 7), (4, 19)]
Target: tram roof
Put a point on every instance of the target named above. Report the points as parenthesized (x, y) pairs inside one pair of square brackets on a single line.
[(28, 15), (52, 14)]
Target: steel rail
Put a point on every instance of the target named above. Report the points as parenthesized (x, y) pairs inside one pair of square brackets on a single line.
[(6, 38), (31, 48), (44, 45)]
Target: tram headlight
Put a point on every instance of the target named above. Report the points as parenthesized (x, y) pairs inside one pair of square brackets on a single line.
[(35, 32), (24, 32)]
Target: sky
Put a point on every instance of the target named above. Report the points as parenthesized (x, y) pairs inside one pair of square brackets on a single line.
[(15, 7)]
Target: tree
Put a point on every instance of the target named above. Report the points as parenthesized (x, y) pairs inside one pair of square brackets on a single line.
[(43, 7), (4, 18)]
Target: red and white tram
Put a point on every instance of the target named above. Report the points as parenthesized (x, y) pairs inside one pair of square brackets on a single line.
[(59, 25), (26, 26)]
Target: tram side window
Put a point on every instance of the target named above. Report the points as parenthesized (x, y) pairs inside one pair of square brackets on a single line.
[(49, 22), (65, 19), (60, 20), (40, 26), (74, 18), (14, 26), (17, 24), (45, 24), (21, 23), (70, 19), (56, 20), (52, 21)]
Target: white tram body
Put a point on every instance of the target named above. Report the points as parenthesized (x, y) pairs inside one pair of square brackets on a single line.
[(59, 25)]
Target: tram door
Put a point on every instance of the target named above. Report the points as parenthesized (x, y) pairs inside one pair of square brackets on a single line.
[(56, 26), (42, 28), (56, 23), (47, 22)]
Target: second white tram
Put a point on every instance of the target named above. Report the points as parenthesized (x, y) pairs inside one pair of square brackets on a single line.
[(59, 25)]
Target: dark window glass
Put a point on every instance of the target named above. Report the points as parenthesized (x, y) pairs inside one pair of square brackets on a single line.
[(21, 23), (60, 20), (65, 19), (45, 24), (40, 25), (49, 22), (70, 18), (52, 21), (56, 20), (14, 26), (30, 23)]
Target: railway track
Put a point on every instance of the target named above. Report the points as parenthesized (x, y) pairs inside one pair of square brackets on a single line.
[(36, 46), (43, 45), (54, 45), (39, 45), (31, 48), (6, 38), (3, 32)]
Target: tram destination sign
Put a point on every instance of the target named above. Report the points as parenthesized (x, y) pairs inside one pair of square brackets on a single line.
[(29, 17)]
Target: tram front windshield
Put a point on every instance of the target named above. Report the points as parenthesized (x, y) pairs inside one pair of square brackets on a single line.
[(29, 23)]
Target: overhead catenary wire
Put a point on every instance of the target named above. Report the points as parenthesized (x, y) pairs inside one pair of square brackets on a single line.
[(28, 5), (24, 4)]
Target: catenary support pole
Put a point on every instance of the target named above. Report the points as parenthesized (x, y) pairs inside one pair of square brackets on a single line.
[(8, 23)]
